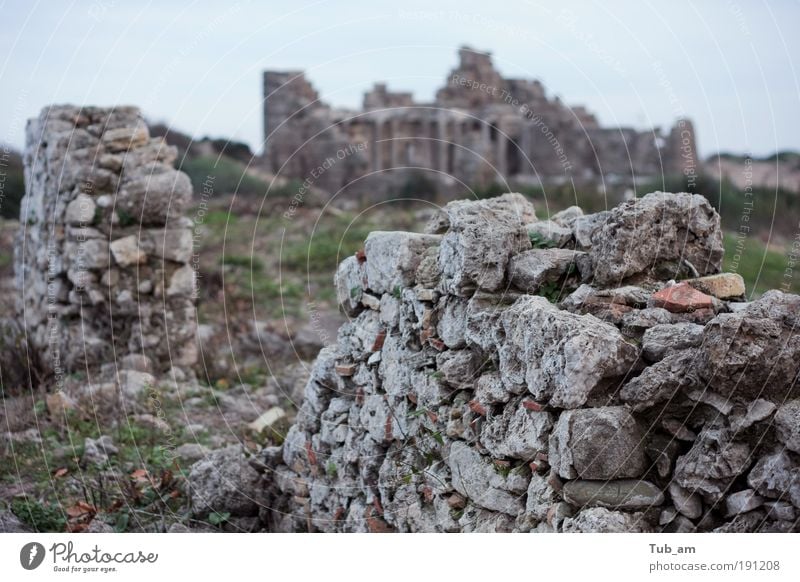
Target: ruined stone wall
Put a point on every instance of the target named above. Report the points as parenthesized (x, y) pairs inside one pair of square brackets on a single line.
[(481, 128), (460, 397), (103, 260)]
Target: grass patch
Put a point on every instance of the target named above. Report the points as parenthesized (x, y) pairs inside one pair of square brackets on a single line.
[(761, 267)]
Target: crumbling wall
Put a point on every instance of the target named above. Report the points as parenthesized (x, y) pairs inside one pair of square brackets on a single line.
[(103, 259), (460, 398)]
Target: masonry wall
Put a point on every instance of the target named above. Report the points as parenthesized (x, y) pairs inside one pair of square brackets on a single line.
[(503, 373), (103, 261)]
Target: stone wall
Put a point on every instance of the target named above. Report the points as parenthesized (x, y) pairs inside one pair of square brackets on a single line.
[(103, 261), (459, 397)]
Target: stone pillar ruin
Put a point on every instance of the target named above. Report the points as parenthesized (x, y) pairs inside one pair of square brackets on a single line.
[(103, 258)]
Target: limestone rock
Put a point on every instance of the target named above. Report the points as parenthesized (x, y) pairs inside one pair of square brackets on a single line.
[(601, 520), (598, 443), (755, 352), (712, 463), (659, 228), (586, 226), (153, 194), (758, 410), (223, 482), (481, 236), (787, 425), (742, 502), (568, 216), (530, 270), (621, 494), (561, 357), (776, 476), (80, 211), (686, 502), (660, 382), (97, 451), (125, 138), (350, 281), (451, 327), (392, 259), (475, 478), (518, 433), (126, 251), (662, 340), (549, 231)]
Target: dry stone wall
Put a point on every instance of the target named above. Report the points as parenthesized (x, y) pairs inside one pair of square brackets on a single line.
[(103, 261), (459, 397)]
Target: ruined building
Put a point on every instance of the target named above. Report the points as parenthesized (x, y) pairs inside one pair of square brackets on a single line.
[(481, 128)]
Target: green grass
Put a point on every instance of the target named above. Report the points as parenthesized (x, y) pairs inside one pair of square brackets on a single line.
[(761, 267), (325, 249), (225, 175)]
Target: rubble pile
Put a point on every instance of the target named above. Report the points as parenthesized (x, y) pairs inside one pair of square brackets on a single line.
[(591, 373), (103, 260)]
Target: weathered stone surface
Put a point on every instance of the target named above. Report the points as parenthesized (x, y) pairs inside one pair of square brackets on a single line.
[(660, 382), (662, 340), (223, 482), (757, 411), (550, 232), (787, 425), (712, 463), (586, 226), (122, 139), (171, 244), (80, 211), (602, 520), (598, 443), (568, 216), (518, 433), (490, 389), (153, 194), (620, 494), (561, 357), (681, 298), (742, 502), (476, 478), (686, 502), (97, 451), (755, 352), (350, 281), (182, 283), (392, 258), (721, 286), (684, 228), (530, 270), (9, 523), (126, 251), (777, 476), (481, 236), (452, 325)]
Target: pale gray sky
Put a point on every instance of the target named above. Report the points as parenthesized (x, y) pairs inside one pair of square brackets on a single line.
[(729, 65)]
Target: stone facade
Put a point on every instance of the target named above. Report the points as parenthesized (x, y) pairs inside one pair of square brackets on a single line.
[(480, 128), (103, 260), (454, 400)]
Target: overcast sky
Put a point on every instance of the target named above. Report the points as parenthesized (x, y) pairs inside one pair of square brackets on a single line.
[(728, 65)]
